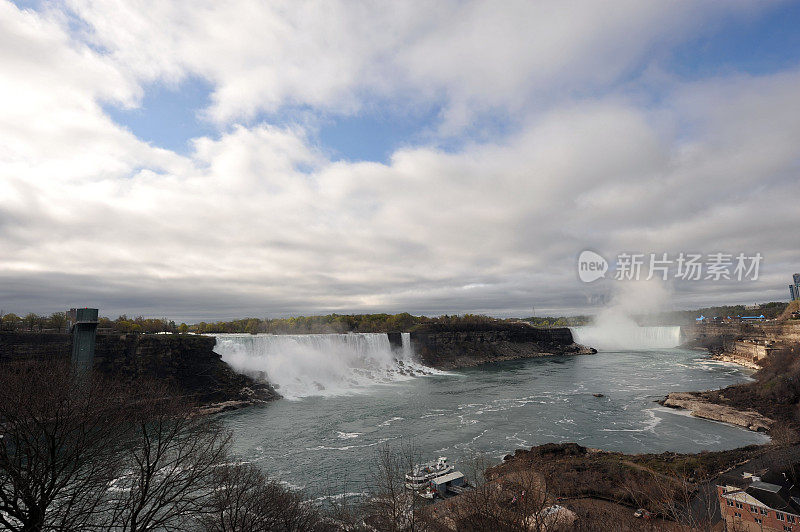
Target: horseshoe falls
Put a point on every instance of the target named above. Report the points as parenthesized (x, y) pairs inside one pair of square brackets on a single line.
[(626, 337)]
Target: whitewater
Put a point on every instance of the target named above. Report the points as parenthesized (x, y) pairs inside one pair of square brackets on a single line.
[(303, 365)]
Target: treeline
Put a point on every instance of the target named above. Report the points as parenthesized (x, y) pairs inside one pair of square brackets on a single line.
[(561, 321), (330, 323), (339, 323), (344, 323), (57, 322), (770, 310)]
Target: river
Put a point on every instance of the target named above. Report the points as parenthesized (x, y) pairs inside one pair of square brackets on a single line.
[(325, 437)]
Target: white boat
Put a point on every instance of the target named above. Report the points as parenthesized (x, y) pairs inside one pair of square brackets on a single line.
[(421, 475)]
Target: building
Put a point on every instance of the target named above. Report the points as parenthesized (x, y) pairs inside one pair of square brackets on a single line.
[(759, 503), (751, 351), (794, 288)]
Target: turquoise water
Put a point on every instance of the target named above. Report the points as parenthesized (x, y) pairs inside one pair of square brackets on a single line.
[(327, 445)]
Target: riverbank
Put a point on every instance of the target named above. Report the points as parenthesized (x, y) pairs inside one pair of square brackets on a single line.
[(773, 349), (731, 359), (590, 488), (700, 407)]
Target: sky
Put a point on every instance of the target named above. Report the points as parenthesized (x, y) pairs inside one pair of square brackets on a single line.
[(219, 159)]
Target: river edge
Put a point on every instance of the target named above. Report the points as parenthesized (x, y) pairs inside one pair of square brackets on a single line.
[(595, 485), (702, 408)]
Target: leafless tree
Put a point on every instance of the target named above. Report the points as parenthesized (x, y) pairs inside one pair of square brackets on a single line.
[(516, 501), (245, 500), (690, 505), (390, 506), (170, 457), (59, 446)]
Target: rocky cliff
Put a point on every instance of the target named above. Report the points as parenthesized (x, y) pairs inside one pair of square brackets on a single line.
[(449, 347), (718, 336), (16, 346), (186, 362)]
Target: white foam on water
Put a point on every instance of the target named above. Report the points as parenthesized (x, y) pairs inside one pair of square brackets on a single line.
[(390, 421), (347, 435), (303, 365), (649, 425)]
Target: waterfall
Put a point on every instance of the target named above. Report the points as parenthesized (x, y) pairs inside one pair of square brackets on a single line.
[(408, 352), (627, 337), (301, 365)]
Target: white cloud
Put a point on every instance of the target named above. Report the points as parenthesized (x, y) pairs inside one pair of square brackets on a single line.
[(473, 56), (258, 220)]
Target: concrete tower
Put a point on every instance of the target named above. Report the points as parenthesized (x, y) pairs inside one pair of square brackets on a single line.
[(84, 329)]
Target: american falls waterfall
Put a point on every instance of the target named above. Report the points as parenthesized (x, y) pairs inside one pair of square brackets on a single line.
[(301, 365), (627, 336)]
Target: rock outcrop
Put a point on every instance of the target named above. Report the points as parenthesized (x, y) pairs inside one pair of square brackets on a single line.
[(186, 362), (451, 347), (700, 407), (17, 346)]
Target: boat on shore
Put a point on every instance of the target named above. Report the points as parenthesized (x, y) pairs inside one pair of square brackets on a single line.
[(421, 475), (435, 478)]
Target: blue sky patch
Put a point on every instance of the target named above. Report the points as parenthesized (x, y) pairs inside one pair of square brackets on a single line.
[(760, 44), (169, 116)]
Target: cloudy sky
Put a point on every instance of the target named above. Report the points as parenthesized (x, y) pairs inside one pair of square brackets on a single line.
[(215, 159)]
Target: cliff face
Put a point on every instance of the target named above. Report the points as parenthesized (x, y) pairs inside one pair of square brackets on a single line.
[(186, 362), (448, 348), (33, 346), (718, 336)]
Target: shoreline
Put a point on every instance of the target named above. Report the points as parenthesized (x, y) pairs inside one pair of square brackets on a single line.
[(700, 407), (723, 357)]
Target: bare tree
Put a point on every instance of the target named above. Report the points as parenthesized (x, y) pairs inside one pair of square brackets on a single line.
[(80, 452), (58, 446), (390, 506), (690, 505), (516, 501), (170, 457), (246, 500)]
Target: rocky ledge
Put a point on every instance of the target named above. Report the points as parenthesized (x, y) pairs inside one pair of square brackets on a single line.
[(700, 407), (186, 362), (451, 347)]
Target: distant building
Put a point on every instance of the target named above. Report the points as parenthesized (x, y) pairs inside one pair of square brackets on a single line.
[(757, 503), (794, 288)]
